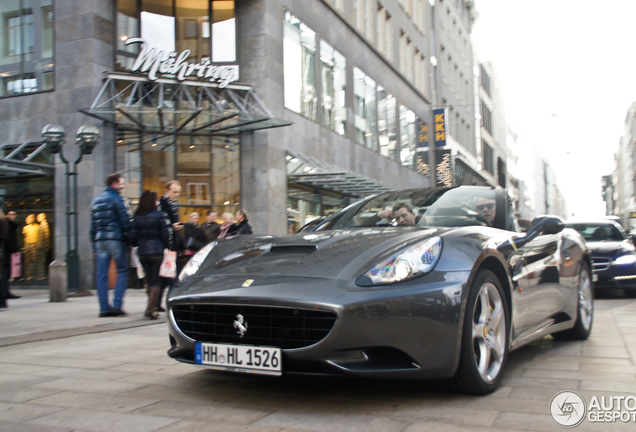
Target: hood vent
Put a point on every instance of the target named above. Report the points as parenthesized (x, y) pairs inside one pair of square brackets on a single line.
[(293, 249)]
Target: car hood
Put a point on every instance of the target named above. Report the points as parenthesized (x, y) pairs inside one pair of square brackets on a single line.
[(342, 254), (609, 248)]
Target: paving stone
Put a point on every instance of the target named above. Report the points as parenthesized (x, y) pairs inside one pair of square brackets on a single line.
[(100, 421)]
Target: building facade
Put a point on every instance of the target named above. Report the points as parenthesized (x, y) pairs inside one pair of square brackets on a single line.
[(289, 109)]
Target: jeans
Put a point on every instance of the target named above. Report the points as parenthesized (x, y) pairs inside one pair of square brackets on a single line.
[(117, 250)]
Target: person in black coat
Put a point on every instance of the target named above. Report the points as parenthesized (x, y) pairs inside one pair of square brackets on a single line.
[(193, 236), (169, 204), (241, 226), (151, 231), (210, 227), (11, 246)]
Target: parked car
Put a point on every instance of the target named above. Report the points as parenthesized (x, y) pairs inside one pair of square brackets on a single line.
[(613, 254), (366, 296)]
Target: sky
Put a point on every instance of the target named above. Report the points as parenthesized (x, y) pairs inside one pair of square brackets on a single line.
[(567, 69)]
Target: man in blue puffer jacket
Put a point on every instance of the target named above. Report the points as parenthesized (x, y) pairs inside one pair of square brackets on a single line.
[(110, 224)]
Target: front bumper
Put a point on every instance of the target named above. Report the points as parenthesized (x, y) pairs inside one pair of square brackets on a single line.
[(409, 330)]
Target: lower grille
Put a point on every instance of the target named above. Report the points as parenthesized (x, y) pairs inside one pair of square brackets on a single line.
[(600, 263), (270, 326)]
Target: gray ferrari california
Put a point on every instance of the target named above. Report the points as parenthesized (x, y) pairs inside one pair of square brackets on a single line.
[(430, 283)]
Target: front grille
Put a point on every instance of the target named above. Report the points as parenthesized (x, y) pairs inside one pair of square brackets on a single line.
[(599, 264), (270, 326)]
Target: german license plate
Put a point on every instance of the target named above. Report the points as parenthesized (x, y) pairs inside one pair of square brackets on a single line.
[(239, 358)]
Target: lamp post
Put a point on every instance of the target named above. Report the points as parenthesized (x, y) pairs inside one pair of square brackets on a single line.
[(86, 139)]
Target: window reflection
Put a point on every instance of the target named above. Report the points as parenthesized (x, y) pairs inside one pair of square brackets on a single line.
[(364, 109), (387, 125), (299, 50), (334, 83), (407, 136)]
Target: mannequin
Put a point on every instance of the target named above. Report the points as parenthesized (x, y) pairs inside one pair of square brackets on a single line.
[(42, 247), (30, 233)]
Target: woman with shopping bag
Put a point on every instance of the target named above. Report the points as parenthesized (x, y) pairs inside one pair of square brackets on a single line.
[(152, 233)]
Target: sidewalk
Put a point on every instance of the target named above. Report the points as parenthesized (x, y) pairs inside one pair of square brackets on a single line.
[(34, 318)]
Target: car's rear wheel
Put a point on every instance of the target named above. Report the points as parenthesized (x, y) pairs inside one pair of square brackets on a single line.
[(484, 337), (585, 309)]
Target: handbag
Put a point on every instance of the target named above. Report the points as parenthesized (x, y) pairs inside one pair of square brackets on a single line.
[(168, 268), (16, 265)]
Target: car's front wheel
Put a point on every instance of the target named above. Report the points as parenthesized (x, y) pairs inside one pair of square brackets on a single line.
[(485, 336)]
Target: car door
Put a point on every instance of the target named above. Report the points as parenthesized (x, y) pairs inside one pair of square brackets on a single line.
[(541, 293)]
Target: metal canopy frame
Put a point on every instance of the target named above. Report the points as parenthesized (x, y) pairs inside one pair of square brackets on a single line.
[(18, 165), (308, 171), (170, 107)]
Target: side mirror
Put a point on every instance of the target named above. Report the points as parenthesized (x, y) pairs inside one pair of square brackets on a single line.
[(544, 225)]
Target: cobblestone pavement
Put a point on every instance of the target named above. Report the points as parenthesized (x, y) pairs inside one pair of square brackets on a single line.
[(64, 369)]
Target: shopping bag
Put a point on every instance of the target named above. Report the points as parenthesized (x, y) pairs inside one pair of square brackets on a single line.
[(168, 267), (112, 274), (16, 265)]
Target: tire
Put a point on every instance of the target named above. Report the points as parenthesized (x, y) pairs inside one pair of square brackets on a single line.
[(584, 311), (485, 335)]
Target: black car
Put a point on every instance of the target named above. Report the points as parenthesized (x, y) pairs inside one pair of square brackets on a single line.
[(428, 283), (613, 254)]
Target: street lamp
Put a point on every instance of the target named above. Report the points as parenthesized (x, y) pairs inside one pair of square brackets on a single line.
[(86, 139)]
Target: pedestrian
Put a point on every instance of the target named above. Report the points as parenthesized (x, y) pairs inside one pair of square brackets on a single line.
[(241, 226), (193, 236), (169, 204), (228, 222), (151, 231), (210, 227), (4, 288), (11, 246), (110, 224)]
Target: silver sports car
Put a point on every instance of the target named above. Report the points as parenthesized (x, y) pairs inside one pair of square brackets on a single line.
[(431, 284)]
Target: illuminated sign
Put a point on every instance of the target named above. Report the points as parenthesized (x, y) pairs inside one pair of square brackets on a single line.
[(439, 123), (152, 61), (422, 133)]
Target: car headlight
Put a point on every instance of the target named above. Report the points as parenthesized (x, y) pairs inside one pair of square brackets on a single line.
[(625, 259), (410, 263), (195, 262)]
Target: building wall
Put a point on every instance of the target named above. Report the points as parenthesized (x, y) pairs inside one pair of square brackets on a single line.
[(260, 42), (84, 35)]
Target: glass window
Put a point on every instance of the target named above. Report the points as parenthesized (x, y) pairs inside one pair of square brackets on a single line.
[(334, 83), (223, 31), (128, 163), (299, 50), (158, 161), (26, 46), (193, 28), (364, 108), (387, 124), (407, 136), (177, 25), (226, 175)]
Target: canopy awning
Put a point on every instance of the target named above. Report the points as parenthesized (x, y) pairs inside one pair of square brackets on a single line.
[(17, 160), (305, 170), (189, 107)]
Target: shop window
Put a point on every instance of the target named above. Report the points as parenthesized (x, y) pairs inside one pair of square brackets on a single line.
[(364, 109), (207, 168), (26, 60), (299, 51), (387, 124), (32, 200), (334, 84), (408, 137)]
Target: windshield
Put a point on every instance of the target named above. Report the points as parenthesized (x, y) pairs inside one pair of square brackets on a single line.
[(461, 206), (595, 232)]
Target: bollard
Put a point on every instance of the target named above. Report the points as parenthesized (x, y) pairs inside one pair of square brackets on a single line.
[(58, 281)]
